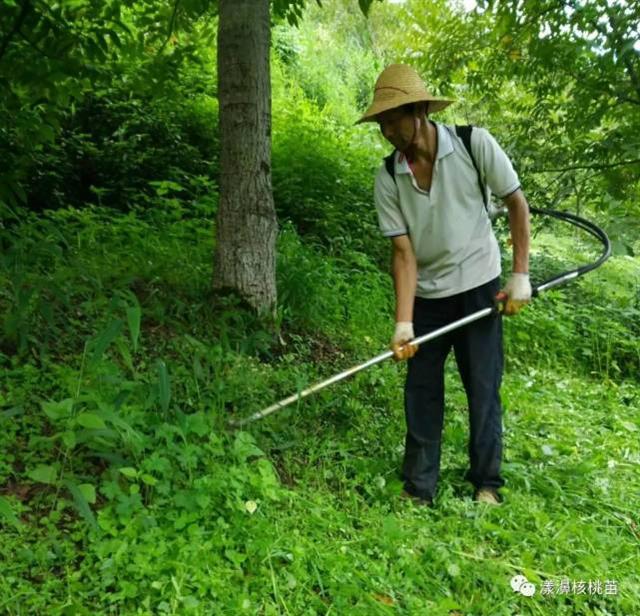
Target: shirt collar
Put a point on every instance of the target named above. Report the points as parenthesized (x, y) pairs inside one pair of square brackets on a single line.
[(445, 147)]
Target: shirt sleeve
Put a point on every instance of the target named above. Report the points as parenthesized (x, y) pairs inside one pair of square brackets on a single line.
[(390, 219), (495, 166)]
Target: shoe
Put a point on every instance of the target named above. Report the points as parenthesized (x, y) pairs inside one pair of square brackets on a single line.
[(489, 496), (420, 501)]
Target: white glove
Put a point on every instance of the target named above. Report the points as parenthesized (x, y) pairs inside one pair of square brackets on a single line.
[(403, 333), (518, 288), (518, 292)]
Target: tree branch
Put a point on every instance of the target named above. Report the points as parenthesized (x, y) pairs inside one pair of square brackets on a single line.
[(552, 182), (633, 76), (42, 52), (632, 73), (24, 11), (627, 99), (603, 166), (172, 24)]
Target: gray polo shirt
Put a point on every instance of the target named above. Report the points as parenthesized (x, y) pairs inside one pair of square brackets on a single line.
[(448, 226)]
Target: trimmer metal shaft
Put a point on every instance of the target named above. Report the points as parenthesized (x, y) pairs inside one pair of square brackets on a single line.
[(480, 314), (555, 281)]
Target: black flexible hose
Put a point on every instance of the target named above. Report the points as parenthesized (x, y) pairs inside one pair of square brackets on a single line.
[(585, 225)]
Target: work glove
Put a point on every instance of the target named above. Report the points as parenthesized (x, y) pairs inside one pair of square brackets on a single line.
[(516, 293), (403, 333)]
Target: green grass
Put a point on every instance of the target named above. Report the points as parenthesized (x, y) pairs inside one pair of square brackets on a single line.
[(124, 491)]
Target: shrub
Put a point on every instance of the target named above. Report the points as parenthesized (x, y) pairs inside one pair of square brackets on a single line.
[(114, 148)]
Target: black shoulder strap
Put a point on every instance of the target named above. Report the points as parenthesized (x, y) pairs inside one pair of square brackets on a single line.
[(389, 164), (464, 132)]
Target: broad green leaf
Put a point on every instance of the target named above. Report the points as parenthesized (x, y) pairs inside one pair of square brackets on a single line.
[(244, 446), (118, 422), (203, 500), (46, 133), (80, 502), (6, 512), (150, 480), (133, 319), (128, 471), (190, 602), (58, 410), (627, 425), (448, 604), (94, 52), (115, 39), (365, 5), (234, 556), (88, 491), (19, 192), (123, 349), (198, 424), (12, 412), (43, 474), (532, 576), (102, 42), (105, 338), (165, 186), (69, 439), (91, 420), (164, 392)]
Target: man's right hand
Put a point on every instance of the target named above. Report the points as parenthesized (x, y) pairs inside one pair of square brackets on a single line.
[(402, 335)]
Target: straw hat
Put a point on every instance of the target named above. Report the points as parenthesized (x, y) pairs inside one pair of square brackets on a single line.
[(398, 85)]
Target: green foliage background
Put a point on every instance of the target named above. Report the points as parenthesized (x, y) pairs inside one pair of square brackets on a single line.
[(122, 490)]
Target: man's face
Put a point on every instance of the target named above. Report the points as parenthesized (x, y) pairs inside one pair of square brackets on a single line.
[(397, 127)]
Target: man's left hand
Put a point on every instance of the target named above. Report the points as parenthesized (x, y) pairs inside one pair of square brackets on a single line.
[(516, 293)]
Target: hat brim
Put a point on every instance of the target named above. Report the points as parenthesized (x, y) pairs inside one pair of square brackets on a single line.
[(435, 104)]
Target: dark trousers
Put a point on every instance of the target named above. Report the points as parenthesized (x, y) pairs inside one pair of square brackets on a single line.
[(478, 352)]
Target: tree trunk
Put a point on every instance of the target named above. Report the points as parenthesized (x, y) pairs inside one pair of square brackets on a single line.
[(244, 259)]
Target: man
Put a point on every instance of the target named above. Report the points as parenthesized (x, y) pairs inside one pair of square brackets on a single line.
[(446, 265)]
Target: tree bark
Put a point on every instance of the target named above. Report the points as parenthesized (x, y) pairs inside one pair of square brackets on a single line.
[(246, 229)]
